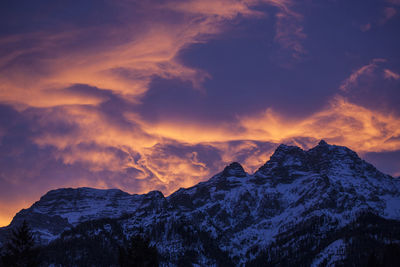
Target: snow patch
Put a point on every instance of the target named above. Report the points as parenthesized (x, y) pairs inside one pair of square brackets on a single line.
[(331, 254)]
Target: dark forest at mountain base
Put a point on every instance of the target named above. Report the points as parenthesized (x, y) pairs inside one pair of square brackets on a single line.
[(370, 241)]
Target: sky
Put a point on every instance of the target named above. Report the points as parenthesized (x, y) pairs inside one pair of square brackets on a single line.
[(148, 95)]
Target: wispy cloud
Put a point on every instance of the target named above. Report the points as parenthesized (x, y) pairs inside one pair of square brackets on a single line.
[(289, 32), (389, 74), (365, 70), (38, 65), (222, 9)]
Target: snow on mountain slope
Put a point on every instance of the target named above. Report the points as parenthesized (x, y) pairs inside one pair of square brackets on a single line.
[(331, 253), (64, 208), (320, 190)]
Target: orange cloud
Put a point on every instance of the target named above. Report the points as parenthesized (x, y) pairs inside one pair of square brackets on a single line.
[(341, 122), (126, 69), (126, 59), (338, 123)]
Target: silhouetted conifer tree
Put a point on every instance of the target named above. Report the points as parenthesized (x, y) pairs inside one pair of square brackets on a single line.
[(139, 253), (372, 260), (20, 250), (391, 255)]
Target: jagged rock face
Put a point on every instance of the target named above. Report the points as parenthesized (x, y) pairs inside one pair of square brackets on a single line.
[(234, 169), (319, 191)]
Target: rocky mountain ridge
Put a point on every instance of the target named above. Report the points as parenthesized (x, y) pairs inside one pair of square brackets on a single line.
[(236, 217)]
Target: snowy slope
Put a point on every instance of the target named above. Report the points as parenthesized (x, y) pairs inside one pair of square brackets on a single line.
[(61, 209)]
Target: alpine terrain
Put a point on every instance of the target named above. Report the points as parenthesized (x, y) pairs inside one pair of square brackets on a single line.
[(321, 207)]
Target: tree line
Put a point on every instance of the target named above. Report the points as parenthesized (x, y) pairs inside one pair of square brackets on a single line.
[(22, 251)]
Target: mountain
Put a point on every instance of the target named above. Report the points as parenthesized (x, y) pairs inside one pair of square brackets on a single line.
[(62, 209), (323, 206)]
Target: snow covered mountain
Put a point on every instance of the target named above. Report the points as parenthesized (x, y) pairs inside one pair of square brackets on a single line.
[(317, 207), (64, 208)]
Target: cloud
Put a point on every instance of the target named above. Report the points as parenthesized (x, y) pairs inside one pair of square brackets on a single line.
[(125, 69), (36, 67), (289, 32), (222, 9), (388, 74), (365, 27), (388, 14), (365, 70), (373, 86), (337, 123)]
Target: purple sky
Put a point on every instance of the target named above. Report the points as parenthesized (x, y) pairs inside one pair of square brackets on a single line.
[(157, 95)]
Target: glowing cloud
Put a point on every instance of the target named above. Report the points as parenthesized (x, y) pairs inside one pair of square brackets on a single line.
[(338, 123), (124, 60)]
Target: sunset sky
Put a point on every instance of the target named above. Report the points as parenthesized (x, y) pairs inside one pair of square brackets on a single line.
[(157, 95)]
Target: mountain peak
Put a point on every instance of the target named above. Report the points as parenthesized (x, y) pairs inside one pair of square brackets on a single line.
[(321, 158), (283, 151), (234, 169), (323, 143), (284, 156), (324, 147), (283, 147)]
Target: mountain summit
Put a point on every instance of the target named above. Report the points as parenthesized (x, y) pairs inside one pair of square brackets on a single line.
[(234, 169), (322, 206)]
